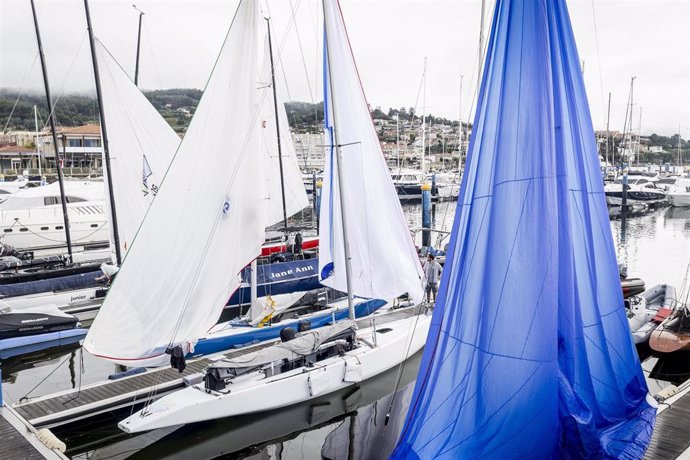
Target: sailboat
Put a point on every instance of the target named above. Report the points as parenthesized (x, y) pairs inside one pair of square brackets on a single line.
[(529, 353), (382, 265)]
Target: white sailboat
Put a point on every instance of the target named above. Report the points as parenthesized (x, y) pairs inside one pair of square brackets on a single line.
[(179, 273), (383, 264)]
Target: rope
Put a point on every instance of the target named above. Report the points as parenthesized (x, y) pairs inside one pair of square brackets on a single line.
[(26, 396), (401, 366), (21, 91)]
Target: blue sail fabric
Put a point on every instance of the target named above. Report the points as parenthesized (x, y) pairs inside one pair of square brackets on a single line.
[(529, 353)]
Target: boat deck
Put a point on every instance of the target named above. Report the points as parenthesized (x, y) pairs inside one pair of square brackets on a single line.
[(77, 404), (671, 435), (19, 441)]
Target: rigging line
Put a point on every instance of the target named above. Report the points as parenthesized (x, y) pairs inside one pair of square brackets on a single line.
[(482, 49), (596, 40), (21, 91), (406, 356), (26, 396), (153, 56), (304, 61), (61, 93)]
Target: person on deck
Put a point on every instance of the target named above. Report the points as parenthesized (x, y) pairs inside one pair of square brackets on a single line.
[(432, 273), (109, 272)]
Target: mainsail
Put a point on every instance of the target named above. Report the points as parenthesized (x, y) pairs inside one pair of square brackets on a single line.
[(529, 353), (295, 195), (205, 224), (383, 257), (137, 135)]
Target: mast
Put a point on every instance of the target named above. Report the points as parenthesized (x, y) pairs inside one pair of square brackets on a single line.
[(680, 157), (104, 131), (639, 130), (461, 131), (424, 116), (338, 156), (136, 69), (608, 133), (397, 137), (51, 119), (275, 107), (481, 44), (630, 113), (38, 142)]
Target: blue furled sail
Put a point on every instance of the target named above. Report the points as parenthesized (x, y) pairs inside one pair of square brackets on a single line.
[(529, 353)]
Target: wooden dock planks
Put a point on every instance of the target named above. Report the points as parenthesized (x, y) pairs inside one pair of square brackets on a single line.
[(671, 435)]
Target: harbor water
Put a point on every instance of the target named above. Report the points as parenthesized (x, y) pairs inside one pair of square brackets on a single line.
[(348, 424)]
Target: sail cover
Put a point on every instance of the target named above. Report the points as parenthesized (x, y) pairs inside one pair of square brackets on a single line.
[(529, 353), (295, 194), (383, 257), (205, 224), (141, 145)]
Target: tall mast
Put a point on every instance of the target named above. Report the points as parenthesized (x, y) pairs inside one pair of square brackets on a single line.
[(136, 69), (423, 116), (630, 121), (461, 131), (51, 120), (608, 133), (104, 131), (680, 157), (481, 44), (38, 142), (275, 108), (639, 132), (338, 156)]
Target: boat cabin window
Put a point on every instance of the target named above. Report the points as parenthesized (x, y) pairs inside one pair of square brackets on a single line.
[(74, 199), (50, 200)]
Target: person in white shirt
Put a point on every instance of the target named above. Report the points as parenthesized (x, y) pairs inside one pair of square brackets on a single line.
[(432, 273)]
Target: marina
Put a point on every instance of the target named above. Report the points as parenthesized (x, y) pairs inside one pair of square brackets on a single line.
[(497, 271)]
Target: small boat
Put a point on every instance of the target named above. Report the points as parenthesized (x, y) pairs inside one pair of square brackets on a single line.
[(641, 189), (19, 346), (34, 321), (679, 195), (279, 376), (673, 334), (649, 309), (408, 184)]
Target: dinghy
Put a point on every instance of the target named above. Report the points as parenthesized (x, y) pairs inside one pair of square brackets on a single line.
[(646, 311), (328, 359), (673, 331), (33, 321), (529, 353)]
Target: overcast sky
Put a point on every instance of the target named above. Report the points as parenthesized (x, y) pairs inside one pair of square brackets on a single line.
[(649, 39)]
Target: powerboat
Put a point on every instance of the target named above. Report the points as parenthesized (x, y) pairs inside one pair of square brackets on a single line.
[(679, 195), (641, 189)]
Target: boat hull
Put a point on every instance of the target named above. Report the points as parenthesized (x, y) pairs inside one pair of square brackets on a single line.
[(665, 341), (194, 404)]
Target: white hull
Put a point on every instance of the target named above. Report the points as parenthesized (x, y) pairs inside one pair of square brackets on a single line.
[(82, 303), (679, 199), (256, 393), (42, 229)]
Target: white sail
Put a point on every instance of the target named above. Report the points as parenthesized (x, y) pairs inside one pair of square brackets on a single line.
[(141, 145), (295, 195), (383, 257), (205, 224)]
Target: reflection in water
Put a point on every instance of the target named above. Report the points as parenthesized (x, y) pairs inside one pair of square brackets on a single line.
[(13, 366)]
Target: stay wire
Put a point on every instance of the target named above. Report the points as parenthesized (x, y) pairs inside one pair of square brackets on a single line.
[(21, 91)]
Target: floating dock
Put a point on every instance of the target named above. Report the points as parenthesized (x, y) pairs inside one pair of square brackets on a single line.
[(69, 406), (671, 436), (20, 440)]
